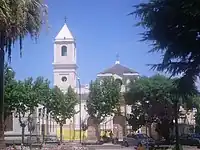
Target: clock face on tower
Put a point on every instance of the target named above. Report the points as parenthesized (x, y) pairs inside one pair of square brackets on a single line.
[(64, 79)]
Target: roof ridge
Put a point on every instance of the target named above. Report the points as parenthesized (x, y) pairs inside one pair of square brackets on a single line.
[(118, 69), (64, 33)]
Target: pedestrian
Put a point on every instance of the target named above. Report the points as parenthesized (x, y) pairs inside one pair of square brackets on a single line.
[(140, 147), (111, 135)]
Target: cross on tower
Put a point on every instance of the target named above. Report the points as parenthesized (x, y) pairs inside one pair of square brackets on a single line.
[(65, 19), (117, 59)]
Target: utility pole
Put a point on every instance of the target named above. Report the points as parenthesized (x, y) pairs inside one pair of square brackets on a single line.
[(79, 83), (39, 120), (43, 125)]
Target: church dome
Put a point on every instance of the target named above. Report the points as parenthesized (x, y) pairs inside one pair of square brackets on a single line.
[(119, 70)]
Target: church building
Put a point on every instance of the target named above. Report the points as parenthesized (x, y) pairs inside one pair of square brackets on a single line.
[(65, 75), (64, 65)]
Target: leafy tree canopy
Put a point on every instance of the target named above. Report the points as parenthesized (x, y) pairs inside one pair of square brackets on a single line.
[(62, 105), (173, 27), (151, 96), (46, 92), (103, 98), (154, 96), (27, 96), (10, 83), (18, 19)]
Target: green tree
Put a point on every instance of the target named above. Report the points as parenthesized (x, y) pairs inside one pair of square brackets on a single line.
[(151, 96), (62, 106), (10, 83), (46, 99), (171, 27), (158, 97), (27, 96), (103, 99), (17, 20)]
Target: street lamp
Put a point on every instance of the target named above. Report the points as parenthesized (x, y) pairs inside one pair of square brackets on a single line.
[(146, 121), (79, 86), (43, 125)]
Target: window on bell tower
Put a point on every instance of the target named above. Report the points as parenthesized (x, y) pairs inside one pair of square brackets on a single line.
[(64, 51)]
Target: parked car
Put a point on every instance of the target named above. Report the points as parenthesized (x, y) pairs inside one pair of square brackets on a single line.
[(52, 140), (163, 141), (188, 139), (135, 139), (195, 135)]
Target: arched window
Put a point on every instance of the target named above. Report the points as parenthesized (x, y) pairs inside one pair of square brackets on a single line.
[(64, 51)]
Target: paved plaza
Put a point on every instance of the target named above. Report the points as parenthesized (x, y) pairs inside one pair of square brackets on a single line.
[(94, 147)]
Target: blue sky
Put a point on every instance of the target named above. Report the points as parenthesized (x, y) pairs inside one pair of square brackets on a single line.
[(101, 28)]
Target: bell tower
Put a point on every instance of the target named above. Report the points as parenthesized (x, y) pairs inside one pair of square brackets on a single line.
[(64, 64)]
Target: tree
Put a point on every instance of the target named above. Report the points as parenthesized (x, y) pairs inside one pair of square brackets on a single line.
[(10, 83), (158, 97), (41, 89), (62, 106), (171, 27), (27, 96), (151, 96), (103, 99), (17, 20), (46, 99)]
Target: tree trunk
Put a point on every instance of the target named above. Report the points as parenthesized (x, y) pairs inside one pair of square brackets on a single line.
[(23, 130), (98, 133), (61, 132), (74, 127), (47, 124), (150, 129), (176, 125), (2, 55), (30, 140), (97, 128)]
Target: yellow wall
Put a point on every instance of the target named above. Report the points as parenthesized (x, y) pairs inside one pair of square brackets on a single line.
[(70, 134), (73, 134)]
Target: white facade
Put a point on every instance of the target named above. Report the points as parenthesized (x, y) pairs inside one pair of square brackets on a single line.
[(64, 65), (65, 75), (65, 72), (84, 114), (39, 117), (17, 130)]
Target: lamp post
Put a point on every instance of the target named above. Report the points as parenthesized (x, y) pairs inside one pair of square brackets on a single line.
[(79, 86), (43, 125), (39, 120), (146, 121)]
